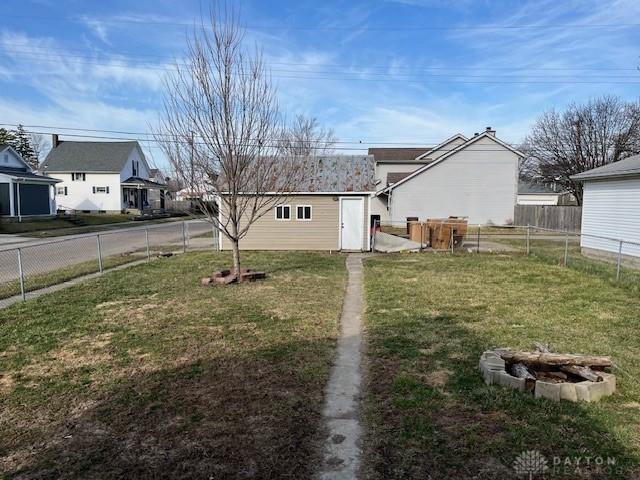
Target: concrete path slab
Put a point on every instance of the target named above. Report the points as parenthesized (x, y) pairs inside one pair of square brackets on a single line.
[(342, 447)]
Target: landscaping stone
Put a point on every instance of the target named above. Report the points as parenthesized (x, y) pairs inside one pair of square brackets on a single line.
[(493, 370), (548, 390)]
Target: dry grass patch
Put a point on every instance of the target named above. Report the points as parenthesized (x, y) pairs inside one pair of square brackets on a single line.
[(144, 373)]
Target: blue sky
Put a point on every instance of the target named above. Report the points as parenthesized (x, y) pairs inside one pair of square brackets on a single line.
[(414, 71)]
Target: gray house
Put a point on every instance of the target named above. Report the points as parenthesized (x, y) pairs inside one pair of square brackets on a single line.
[(23, 193)]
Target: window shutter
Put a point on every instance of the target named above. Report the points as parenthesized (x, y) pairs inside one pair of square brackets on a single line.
[(94, 189), (107, 189), (65, 190)]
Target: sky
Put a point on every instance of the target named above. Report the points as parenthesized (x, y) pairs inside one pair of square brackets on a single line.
[(378, 73)]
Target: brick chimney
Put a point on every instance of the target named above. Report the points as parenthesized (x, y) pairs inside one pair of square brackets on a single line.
[(54, 140), (490, 131)]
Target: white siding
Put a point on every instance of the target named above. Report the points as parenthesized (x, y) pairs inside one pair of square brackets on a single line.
[(538, 199), (10, 159), (446, 148), (143, 168), (611, 208), (80, 194), (479, 182)]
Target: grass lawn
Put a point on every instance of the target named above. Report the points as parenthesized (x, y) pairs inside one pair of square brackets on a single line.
[(56, 227), (429, 413), (144, 373), (54, 277)]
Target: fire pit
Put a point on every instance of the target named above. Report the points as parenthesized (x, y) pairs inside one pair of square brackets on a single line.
[(549, 375), (225, 277)]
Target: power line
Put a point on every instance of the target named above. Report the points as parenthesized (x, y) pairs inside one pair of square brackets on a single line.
[(316, 27), (30, 49), (119, 63), (161, 138)]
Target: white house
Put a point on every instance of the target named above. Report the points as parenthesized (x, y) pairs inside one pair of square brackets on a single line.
[(532, 193), (611, 208), (473, 177), (23, 193), (102, 177)]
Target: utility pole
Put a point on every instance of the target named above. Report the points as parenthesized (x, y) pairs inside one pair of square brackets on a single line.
[(191, 187)]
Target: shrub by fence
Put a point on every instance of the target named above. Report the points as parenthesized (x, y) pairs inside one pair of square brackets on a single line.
[(554, 217)]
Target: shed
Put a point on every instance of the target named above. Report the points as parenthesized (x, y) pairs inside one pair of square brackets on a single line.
[(611, 208)]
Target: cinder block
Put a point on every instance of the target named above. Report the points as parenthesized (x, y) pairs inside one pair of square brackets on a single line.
[(548, 390), (568, 392), (492, 361), (506, 380), (610, 380), (592, 391)]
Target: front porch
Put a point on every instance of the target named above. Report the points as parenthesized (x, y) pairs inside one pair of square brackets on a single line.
[(141, 196)]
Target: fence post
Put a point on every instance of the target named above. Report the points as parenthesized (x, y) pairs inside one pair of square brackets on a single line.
[(21, 272), (566, 249), (146, 236), (528, 239), (619, 262), (478, 241), (99, 253), (184, 237)]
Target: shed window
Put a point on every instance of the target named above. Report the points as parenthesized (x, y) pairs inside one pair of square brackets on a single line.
[(303, 212), (79, 177), (283, 212)]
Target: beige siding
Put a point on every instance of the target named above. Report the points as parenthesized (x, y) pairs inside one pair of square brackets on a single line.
[(321, 233)]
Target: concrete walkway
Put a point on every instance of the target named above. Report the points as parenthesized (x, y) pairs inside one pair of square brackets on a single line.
[(341, 412)]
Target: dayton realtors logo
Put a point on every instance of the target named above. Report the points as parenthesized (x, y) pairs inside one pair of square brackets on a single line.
[(530, 463)]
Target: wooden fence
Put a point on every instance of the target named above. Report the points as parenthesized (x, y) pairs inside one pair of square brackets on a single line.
[(549, 216)]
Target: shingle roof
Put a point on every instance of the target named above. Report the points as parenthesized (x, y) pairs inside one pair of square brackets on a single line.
[(622, 168), (339, 173), (397, 153), (88, 156), (28, 175), (393, 177)]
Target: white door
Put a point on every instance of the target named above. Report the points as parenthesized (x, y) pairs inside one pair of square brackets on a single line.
[(352, 223)]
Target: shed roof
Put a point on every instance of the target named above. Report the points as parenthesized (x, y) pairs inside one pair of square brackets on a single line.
[(338, 173), (628, 167), (18, 173), (89, 156)]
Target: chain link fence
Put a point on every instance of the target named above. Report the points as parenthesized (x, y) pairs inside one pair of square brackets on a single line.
[(612, 259), (35, 266)]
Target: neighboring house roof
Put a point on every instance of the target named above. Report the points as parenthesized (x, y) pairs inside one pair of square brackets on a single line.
[(382, 154), (622, 168), (89, 156), (533, 188), (394, 177), (441, 145), (441, 159), (18, 174)]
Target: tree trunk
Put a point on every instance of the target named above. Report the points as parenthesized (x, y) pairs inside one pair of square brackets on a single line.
[(236, 259)]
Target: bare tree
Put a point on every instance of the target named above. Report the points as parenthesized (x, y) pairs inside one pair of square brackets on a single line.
[(582, 137), (306, 137), (39, 144), (220, 125)]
